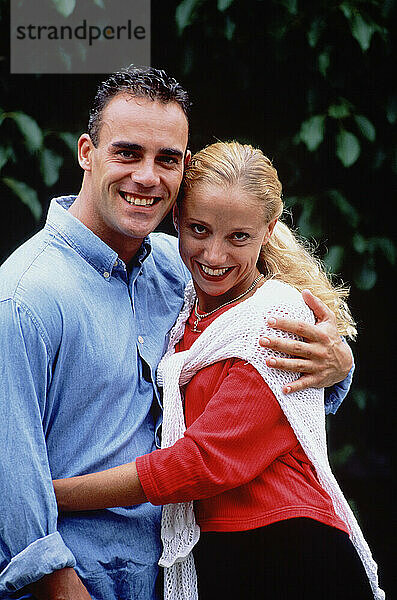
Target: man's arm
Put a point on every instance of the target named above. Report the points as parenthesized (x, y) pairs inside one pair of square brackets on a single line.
[(31, 548), (323, 357)]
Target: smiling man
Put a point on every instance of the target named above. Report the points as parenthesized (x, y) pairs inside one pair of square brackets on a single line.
[(85, 308)]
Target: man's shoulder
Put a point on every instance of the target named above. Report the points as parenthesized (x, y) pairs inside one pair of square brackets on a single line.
[(31, 274), (166, 255)]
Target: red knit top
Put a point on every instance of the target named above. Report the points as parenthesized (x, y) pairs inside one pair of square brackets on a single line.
[(239, 457)]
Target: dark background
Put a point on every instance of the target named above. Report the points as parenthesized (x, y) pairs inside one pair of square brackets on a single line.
[(313, 84)]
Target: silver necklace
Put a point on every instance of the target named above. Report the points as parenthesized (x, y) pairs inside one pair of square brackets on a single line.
[(202, 316)]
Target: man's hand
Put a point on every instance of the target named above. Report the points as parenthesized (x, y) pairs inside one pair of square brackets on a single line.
[(322, 357), (64, 584)]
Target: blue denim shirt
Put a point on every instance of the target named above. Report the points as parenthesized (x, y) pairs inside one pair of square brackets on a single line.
[(80, 343)]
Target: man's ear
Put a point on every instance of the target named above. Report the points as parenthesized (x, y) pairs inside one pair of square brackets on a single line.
[(188, 157), (84, 150), (175, 216)]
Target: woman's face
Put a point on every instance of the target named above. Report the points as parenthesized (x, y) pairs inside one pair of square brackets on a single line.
[(221, 231)]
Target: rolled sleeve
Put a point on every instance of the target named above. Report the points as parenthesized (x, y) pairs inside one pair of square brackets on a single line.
[(30, 546), (335, 395), (40, 558)]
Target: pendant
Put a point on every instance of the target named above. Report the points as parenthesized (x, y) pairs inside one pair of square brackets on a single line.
[(194, 328)]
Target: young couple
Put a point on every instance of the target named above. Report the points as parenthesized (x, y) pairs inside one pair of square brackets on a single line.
[(243, 470)]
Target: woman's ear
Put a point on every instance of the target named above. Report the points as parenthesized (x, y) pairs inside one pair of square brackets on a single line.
[(175, 217), (84, 150), (269, 231)]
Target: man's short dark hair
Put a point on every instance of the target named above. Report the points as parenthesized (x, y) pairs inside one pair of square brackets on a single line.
[(139, 82)]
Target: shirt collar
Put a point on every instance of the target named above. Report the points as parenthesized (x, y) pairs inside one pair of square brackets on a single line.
[(84, 241)]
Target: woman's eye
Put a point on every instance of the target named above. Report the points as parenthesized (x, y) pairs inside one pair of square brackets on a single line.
[(197, 228), (240, 236)]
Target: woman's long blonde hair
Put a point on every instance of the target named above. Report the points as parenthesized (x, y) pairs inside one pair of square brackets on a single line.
[(284, 256)]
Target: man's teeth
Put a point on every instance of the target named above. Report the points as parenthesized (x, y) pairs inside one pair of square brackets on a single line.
[(134, 201), (209, 271)]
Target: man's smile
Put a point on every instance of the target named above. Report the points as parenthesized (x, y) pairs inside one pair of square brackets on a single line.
[(134, 200)]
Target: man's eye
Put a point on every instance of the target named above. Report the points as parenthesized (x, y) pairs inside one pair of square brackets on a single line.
[(168, 160), (197, 228), (127, 154)]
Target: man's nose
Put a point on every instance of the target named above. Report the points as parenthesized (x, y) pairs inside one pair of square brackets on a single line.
[(145, 174)]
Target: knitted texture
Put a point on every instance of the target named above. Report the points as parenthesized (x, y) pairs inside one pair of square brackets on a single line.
[(235, 333)]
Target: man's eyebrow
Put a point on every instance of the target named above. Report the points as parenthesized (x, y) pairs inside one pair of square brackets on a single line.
[(138, 148), (127, 146)]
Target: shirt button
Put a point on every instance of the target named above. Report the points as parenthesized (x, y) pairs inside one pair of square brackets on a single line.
[(106, 275), (116, 262), (140, 339)]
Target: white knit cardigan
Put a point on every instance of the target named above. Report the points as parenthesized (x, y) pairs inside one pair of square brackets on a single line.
[(235, 333)]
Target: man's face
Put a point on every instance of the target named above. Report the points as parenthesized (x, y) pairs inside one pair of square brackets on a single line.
[(134, 173)]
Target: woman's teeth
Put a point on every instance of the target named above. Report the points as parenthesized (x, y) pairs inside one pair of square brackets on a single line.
[(134, 201), (209, 271)]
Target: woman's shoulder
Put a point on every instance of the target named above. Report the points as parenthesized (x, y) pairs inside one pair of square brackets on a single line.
[(281, 299)]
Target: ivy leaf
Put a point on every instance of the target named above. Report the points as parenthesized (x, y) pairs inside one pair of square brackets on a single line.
[(184, 13), (334, 258), (291, 6), (224, 4), (65, 7), (338, 111), (362, 31), (324, 62), (70, 139), (230, 27), (312, 132), (366, 127), (4, 156), (345, 208), (365, 278), (347, 148), (30, 130), (26, 194), (50, 164), (391, 110)]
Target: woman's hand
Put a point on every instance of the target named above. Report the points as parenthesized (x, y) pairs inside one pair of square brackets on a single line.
[(322, 357), (119, 486)]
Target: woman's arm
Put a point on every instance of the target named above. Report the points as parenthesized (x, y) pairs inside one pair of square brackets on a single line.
[(119, 486)]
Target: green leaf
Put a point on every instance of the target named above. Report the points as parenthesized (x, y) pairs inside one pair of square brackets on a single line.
[(224, 4), (50, 164), (291, 6), (30, 130), (360, 398), (4, 156), (366, 127), (70, 139), (385, 245), (315, 31), (347, 148), (324, 62), (391, 110), (345, 208), (65, 7), (341, 456), (26, 194), (362, 31), (334, 258), (312, 132), (359, 243), (339, 111), (230, 27), (184, 13), (365, 278)]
